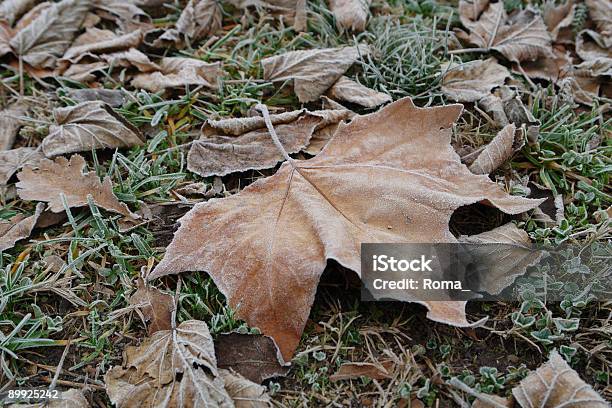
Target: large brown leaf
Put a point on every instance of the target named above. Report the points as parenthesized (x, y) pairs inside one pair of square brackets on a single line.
[(554, 384), (54, 178), (391, 176), (351, 14), (312, 71), (86, 126), (522, 37), (48, 35), (220, 153), (172, 368), (474, 80)]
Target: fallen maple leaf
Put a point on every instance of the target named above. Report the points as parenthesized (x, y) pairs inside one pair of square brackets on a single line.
[(391, 176), (18, 227), (54, 178), (86, 126), (554, 384), (474, 80), (220, 152), (312, 71), (13, 160), (245, 393), (347, 90), (351, 14)]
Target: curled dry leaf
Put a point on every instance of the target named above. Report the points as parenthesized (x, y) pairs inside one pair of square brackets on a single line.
[(54, 178), (351, 14), (254, 356), (555, 384), (347, 90), (198, 19), (522, 37), (499, 402), (294, 11), (48, 35), (312, 71), (219, 154), (95, 42), (176, 72), (508, 256), (590, 45), (549, 69), (391, 176), (10, 124), (86, 126), (473, 80), (377, 371), (13, 160), (600, 12), (172, 368), (559, 19), (470, 11), (155, 305), (126, 14), (244, 393), (18, 227), (496, 152)]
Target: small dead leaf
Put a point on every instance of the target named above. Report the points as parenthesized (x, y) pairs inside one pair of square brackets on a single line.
[(496, 152), (559, 18), (177, 72), (504, 402), (323, 208), (473, 80), (18, 227), (312, 71), (61, 176), (521, 37), (219, 154), (199, 19), (470, 11), (10, 124), (96, 42), (351, 14), (245, 393), (112, 97), (254, 356), (377, 371), (347, 90), (156, 307), (549, 69), (126, 14), (556, 384), (509, 256), (13, 160), (87, 126), (600, 12), (293, 11), (48, 35), (172, 368)]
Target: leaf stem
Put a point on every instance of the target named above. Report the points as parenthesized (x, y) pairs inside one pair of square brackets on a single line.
[(266, 115)]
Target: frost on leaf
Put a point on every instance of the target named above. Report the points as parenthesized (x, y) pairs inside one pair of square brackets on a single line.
[(156, 307), (172, 368), (13, 160), (62, 177), (351, 14), (312, 71), (520, 37), (347, 90), (178, 72), (18, 227), (556, 384), (391, 176), (86, 126), (223, 150), (496, 152), (473, 80)]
